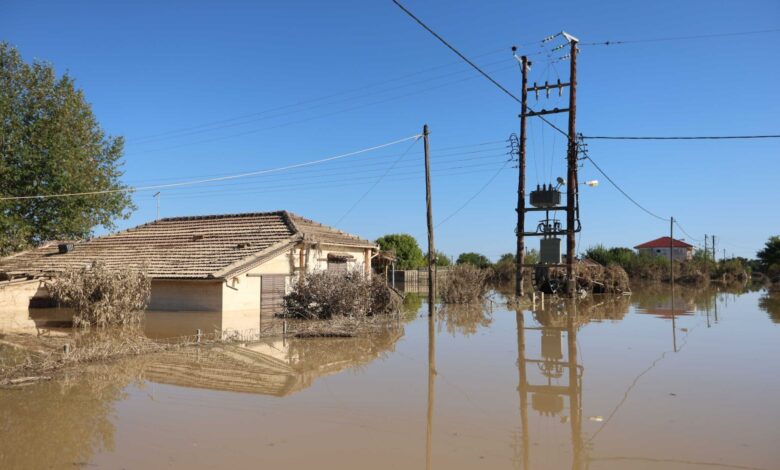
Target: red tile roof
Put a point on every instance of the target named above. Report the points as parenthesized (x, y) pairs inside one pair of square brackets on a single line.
[(201, 247), (663, 242)]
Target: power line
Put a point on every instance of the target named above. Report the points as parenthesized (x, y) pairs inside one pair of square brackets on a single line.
[(472, 64), (376, 183), (709, 137), (336, 181), (311, 118), (474, 196), (680, 38), (285, 109), (623, 192), (210, 180), (346, 167), (466, 59), (685, 232)]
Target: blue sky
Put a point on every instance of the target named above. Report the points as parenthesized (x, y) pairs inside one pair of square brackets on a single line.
[(214, 88)]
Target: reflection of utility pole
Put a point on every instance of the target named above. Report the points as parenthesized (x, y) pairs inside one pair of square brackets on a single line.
[(431, 392), (522, 387), (547, 398)]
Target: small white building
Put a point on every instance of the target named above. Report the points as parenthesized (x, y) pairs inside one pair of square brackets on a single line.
[(217, 263), (681, 251)]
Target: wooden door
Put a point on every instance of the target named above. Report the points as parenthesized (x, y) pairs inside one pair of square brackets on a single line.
[(272, 290)]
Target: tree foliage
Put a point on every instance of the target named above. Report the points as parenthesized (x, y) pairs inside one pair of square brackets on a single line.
[(474, 259), (407, 251), (769, 257), (440, 259), (50, 143)]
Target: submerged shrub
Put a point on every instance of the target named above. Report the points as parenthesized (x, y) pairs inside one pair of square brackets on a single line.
[(324, 295), (464, 284), (101, 296)]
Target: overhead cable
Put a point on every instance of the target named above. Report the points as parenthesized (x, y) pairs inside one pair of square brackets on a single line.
[(680, 38), (625, 193), (210, 180), (707, 137), (472, 64)]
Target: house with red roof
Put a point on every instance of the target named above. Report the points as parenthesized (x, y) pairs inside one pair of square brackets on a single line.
[(681, 251)]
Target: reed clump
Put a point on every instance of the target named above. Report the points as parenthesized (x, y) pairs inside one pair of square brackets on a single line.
[(464, 284), (325, 295), (101, 296)]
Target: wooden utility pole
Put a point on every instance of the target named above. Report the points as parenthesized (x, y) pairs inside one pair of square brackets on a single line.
[(713, 248), (706, 253), (520, 256), (431, 250), (571, 174), (671, 249)]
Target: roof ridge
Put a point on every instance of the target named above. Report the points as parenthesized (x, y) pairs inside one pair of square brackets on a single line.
[(217, 216)]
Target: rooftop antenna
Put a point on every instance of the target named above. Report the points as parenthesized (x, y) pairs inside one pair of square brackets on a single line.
[(157, 197)]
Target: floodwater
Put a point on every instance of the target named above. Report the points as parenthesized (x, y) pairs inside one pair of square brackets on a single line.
[(640, 382)]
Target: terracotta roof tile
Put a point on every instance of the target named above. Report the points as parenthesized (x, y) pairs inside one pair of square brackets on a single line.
[(186, 247)]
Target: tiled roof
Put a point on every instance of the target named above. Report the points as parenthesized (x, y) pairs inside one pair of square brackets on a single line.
[(663, 242), (213, 246)]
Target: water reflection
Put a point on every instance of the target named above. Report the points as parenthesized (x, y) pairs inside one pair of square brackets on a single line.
[(770, 303), (557, 377), (545, 382), (62, 424), (277, 367)]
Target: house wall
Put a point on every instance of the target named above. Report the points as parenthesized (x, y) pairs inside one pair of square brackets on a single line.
[(679, 254), (318, 257), (242, 293), (14, 305), (195, 295)]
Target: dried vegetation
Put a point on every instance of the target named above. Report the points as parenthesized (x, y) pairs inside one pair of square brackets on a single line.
[(464, 284), (101, 296), (327, 295)]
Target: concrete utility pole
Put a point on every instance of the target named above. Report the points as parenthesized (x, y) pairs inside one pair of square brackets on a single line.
[(431, 250), (571, 173), (520, 256)]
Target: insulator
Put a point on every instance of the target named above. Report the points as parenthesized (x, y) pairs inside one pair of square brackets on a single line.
[(547, 88), (560, 88), (557, 48), (536, 91)]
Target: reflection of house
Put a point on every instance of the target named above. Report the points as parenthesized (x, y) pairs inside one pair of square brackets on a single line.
[(273, 367), (206, 263), (666, 309), (681, 251)]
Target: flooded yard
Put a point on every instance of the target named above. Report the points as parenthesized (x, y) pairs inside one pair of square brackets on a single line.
[(648, 381)]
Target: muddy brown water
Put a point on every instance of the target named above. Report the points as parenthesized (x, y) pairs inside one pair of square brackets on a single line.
[(640, 382)]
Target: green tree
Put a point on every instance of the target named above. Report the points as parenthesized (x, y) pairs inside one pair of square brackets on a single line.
[(475, 259), (51, 143), (769, 257), (441, 259), (407, 251)]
